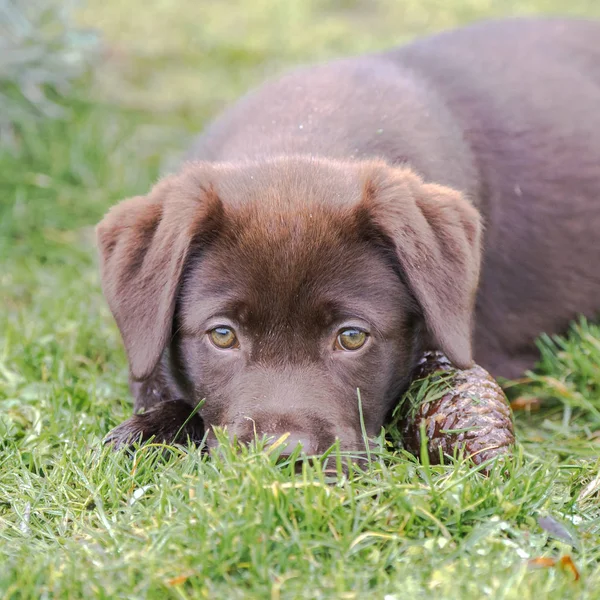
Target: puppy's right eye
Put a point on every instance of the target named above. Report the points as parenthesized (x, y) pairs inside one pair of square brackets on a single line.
[(351, 339), (223, 338)]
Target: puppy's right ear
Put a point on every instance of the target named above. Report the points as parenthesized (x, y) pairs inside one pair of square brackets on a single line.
[(436, 233), (144, 242)]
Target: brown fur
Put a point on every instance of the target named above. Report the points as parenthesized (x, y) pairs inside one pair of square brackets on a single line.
[(353, 194)]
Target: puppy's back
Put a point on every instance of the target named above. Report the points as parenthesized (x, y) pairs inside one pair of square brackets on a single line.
[(463, 107), (525, 92)]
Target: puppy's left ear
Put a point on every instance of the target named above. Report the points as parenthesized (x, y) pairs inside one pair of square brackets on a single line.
[(144, 243), (436, 235)]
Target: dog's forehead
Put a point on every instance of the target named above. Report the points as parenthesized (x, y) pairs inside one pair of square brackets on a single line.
[(291, 248), (289, 221), (309, 268)]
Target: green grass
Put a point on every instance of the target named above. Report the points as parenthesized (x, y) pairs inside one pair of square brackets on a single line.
[(79, 521)]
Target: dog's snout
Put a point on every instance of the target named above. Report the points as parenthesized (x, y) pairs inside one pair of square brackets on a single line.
[(282, 438), (290, 441)]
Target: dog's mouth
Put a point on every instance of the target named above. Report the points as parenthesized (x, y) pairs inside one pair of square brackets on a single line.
[(171, 422), (334, 454)]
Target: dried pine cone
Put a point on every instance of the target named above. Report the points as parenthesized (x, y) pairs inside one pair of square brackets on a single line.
[(470, 413)]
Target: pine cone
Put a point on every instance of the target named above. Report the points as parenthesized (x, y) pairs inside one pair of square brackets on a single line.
[(471, 415)]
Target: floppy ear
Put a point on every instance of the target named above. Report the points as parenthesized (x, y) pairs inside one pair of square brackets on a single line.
[(144, 242), (436, 234)]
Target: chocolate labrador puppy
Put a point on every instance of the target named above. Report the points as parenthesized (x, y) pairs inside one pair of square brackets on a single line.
[(340, 220)]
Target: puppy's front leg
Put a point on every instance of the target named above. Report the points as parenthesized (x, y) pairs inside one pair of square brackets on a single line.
[(166, 422), (155, 389)]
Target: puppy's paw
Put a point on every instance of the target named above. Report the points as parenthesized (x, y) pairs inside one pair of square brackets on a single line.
[(168, 422)]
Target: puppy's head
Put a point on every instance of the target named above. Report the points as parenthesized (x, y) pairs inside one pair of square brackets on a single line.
[(276, 290)]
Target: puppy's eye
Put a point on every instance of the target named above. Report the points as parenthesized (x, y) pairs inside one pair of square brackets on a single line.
[(223, 338), (351, 339)]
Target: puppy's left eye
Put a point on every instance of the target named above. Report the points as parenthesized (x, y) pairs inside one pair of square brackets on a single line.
[(223, 338), (351, 339)]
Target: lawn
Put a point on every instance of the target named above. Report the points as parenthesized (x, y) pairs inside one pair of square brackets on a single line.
[(77, 520)]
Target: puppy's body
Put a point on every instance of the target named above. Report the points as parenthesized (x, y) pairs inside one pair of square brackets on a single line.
[(325, 199), (506, 112)]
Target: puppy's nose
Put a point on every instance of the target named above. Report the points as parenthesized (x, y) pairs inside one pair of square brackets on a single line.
[(309, 445)]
